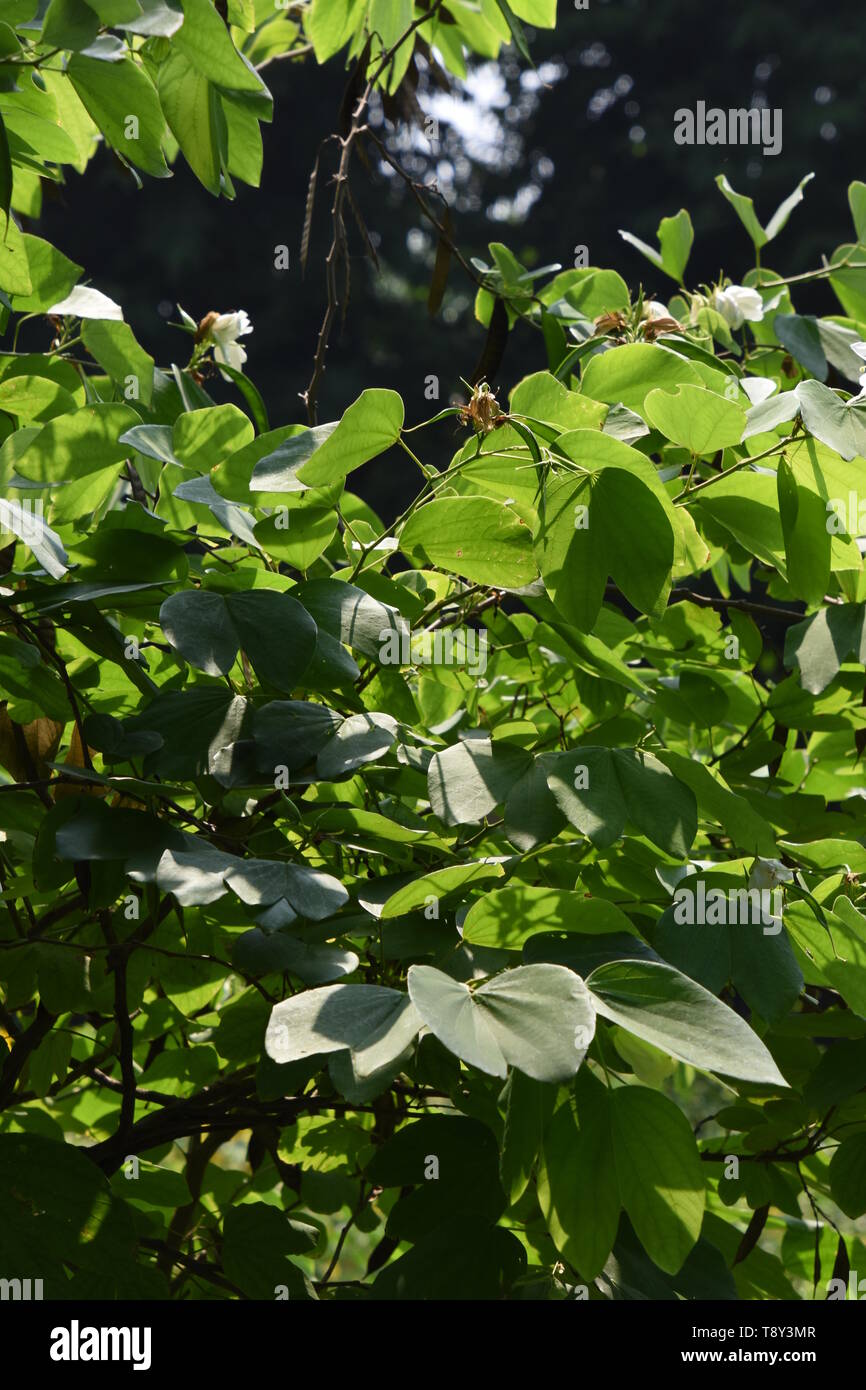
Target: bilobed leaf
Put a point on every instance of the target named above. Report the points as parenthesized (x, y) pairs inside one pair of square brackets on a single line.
[(467, 781), (372, 1022), (483, 540), (696, 419), (608, 521), (367, 429), (537, 1018), (507, 917), (274, 630), (745, 210), (839, 424), (360, 739), (627, 374), (675, 235), (599, 788), (309, 892), (352, 616), (436, 885), (672, 1012)]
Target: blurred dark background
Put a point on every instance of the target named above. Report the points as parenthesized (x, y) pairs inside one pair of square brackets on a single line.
[(541, 159)]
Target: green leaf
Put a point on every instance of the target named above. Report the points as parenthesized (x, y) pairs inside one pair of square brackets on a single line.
[(675, 235), (467, 781), (604, 523), (857, 204), (801, 338), (192, 110), (206, 43), (330, 25), (352, 616), (807, 541), (581, 1216), (696, 419), (627, 374), (52, 276), (659, 1173), (598, 789), (435, 885), (745, 210), (257, 1242), (69, 24), (541, 397), (122, 100), (115, 348), (360, 739), (75, 445), (537, 1018), (369, 427), (507, 917), (274, 630), (5, 171), (463, 1258), (732, 944), (818, 646), (667, 1009), (848, 1176), (717, 802), (55, 1205), (14, 271), (839, 424), (292, 732), (516, 29), (476, 537), (527, 1107), (374, 1023), (34, 398), (203, 437)]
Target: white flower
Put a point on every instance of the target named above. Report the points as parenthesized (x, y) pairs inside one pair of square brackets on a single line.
[(738, 305), (654, 310), (225, 331), (769, 873), (860, 349)]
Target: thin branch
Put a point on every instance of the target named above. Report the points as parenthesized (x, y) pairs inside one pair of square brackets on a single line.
[(337, 253)]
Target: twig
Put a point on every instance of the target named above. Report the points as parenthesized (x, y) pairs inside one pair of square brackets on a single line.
[(337, 253)]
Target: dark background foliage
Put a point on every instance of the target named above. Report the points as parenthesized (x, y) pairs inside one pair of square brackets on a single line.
[(563, 156)]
